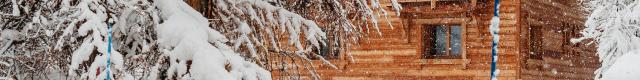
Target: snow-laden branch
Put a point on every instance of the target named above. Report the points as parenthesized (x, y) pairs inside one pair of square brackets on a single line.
[(16, 9), (187, 37), (8, 37), (168, 36), (93, 27), (612, 25), (307, 25)]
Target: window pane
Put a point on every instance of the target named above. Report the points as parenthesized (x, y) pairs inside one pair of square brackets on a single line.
[(429, 40), (456, 40), (441, 40)]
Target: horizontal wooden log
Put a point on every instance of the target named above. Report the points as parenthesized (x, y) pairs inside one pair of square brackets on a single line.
[(557, 75), (481, 66), (383, 46), (440, 21), (536, 11), (533, 64), (394, 52), (501, 59), (427, 72)]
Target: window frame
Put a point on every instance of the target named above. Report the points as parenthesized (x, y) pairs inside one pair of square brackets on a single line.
[(415, 26), (539, 50), (448, 55), (536, 33)]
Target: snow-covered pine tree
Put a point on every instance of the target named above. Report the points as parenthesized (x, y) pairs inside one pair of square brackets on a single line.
[(167, 39), (613, 25), (273, 22)]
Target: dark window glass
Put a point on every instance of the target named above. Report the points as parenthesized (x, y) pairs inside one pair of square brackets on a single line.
[(443, 41), (456, 40)]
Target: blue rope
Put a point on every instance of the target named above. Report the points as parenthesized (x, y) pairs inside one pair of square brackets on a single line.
[(496, 8), (109, 53), (494, 45)]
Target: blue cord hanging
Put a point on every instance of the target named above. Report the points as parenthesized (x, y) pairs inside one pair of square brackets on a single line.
[(109, 52), (494, 45)]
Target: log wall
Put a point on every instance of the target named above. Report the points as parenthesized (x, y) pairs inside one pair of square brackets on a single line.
[(398, 52), (551, 24), (534, 44)]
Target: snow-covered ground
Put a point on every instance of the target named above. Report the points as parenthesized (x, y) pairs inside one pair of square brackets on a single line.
[(626, 67)]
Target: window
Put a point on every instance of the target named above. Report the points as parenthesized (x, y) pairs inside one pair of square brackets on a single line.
[(443, 41), (536, 37), (547, 41)]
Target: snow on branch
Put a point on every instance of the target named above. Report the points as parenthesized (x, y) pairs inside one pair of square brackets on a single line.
[(612, 25), (260, 26), (16, 10), (233, 39)]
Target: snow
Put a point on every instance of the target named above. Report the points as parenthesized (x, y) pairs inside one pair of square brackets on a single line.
[(81, 54), (5, 63), (93, 17), (626, 67), (497, 72), (370, 15), (10, 35), (208, 65), (6, 78), (16, 10), (153, 75), (182, 31), (189, 34), (494, 28), (244, 31), (177, 35), (613, 26), (396, 6), (7, 37)]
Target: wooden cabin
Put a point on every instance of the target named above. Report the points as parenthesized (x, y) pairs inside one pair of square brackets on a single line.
[(450, 40)]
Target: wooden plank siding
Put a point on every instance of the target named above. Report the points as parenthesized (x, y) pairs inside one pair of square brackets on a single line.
[(559, 21), (398, 54)]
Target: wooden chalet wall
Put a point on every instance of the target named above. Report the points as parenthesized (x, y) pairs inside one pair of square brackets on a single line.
[(534, 43), (550, 24), (397, 54)]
